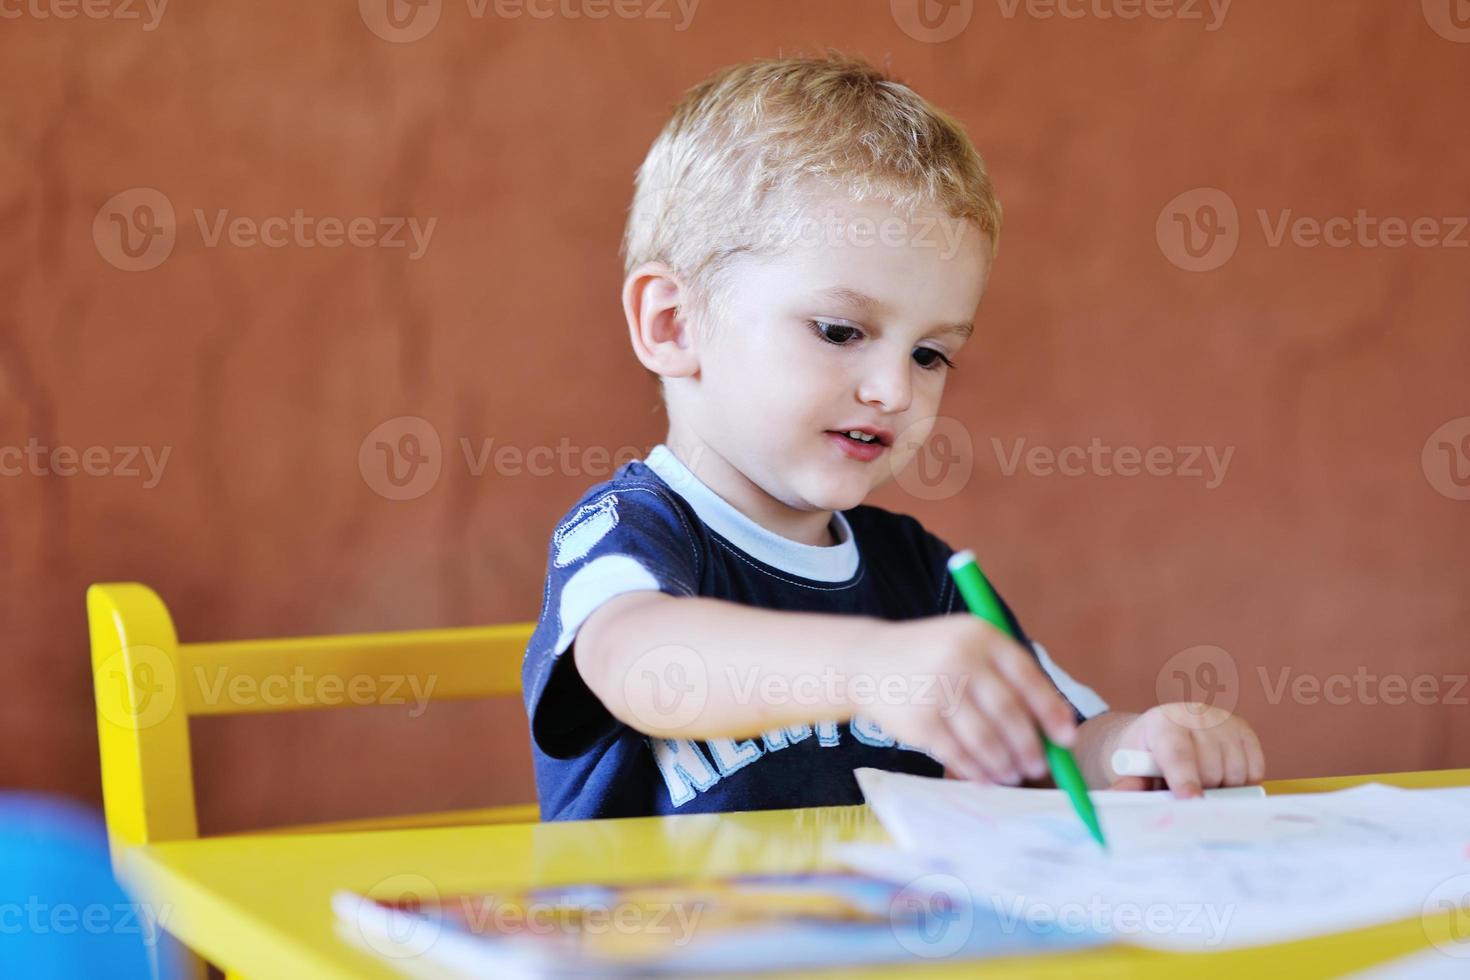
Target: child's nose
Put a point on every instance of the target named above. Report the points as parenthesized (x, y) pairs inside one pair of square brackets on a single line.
[(887, 386)]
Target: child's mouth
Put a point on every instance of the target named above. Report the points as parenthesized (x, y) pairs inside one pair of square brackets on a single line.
[(862, 446)]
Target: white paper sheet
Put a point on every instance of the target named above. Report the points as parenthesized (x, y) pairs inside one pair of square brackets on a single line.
[(1178, 874)]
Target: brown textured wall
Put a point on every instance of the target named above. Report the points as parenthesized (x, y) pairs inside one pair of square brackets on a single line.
[(1334, 545)]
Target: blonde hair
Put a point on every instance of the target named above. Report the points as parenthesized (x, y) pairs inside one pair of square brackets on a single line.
[(722, 171)]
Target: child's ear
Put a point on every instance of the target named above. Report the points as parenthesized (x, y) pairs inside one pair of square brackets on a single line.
[(662, 337)]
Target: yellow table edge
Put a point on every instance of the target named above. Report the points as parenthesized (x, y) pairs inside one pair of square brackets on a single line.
[(266, 936)]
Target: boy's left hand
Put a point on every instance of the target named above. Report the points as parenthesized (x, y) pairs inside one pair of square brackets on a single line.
[(1197, 746)]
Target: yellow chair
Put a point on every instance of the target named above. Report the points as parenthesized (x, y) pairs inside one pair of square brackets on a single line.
[(148, 685)]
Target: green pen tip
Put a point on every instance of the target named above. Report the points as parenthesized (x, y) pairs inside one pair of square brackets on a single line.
[(1089, 820)]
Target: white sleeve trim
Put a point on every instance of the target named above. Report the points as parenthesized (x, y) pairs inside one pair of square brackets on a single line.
[(1083, 698), (592, 585)]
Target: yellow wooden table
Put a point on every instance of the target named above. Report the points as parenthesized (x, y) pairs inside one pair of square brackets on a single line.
[(260, 904)]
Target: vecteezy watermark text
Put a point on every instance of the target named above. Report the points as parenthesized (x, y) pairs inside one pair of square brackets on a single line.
[(1211, 13), (405, 21), (1206, 920), (403, 457), (149, 12), (1097, 459), (1201, 229), (300, 687), (566, 915), (136, 230), (421, 913), (139, 686), (36, 916), (1363, 686), (937, 21), (306, 231), (833, 686), (668, 687), (38, 459), (1209, 676)]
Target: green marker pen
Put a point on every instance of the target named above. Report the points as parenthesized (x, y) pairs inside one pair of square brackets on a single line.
[(981, 599)]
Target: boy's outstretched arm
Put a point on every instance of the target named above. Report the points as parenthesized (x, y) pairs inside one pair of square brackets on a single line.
[(1197, 747), (694, 667)]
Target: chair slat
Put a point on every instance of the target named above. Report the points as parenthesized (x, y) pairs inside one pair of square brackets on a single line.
[(401, 668)]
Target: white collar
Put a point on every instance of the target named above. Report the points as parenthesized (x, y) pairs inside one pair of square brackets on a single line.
[(822, 563)]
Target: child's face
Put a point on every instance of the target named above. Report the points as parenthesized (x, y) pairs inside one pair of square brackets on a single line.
[(775, 394)]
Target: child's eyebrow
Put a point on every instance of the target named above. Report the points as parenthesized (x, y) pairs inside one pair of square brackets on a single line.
[(872, 306)]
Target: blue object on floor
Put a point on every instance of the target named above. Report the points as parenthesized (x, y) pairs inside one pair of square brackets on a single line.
[(62, 914)]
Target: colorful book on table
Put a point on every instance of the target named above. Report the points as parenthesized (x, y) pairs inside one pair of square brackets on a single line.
[(690, 926)]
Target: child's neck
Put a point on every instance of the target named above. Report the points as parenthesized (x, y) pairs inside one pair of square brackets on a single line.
[(804, 527)]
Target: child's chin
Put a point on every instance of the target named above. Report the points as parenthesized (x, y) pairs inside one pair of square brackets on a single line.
[(840, 498)]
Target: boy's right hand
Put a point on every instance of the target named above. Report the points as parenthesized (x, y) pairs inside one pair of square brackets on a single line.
[(974, 700)]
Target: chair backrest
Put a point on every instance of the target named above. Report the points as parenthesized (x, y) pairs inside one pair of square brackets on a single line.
[(148, 685)]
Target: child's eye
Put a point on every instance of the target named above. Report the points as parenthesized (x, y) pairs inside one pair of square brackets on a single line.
[(834, 333), (928, 357)]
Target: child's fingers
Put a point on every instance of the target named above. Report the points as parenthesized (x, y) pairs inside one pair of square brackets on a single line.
[(1013, 723), (973, 730), (1210, 756), (1025, 677), (1237, 768), (953, 756), (1255, 757), (1174, 751)]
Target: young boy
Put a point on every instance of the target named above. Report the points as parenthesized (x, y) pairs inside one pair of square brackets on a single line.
[(726, 626)]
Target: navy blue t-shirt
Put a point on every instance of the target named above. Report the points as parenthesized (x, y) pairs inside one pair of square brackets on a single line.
[(655, 526)]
